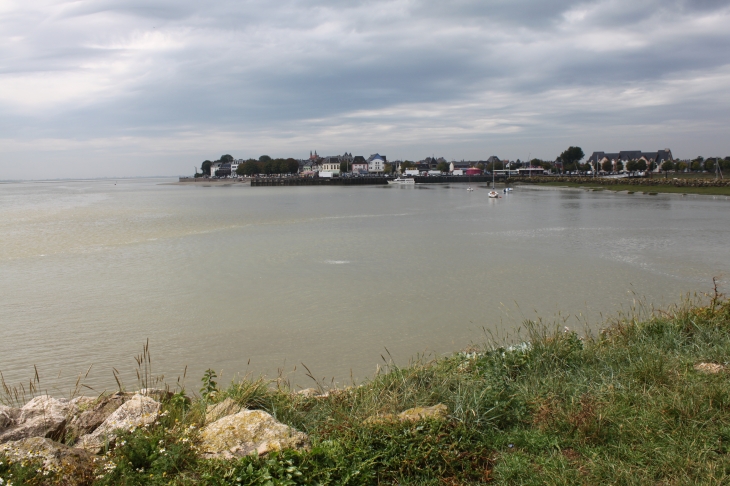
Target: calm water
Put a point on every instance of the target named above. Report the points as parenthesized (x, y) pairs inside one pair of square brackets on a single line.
[(220, 276)]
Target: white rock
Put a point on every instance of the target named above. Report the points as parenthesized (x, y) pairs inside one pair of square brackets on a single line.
[(136, 412), (43, 416), (248, 432)]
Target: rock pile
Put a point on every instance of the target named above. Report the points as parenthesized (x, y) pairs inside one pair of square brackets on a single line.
[(43, 427)]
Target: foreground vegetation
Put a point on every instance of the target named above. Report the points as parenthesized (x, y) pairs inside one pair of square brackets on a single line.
[(626, 406)]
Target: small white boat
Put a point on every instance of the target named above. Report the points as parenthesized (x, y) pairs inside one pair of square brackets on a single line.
[(402, 180), (470, 189), (507, 189), (493, 194)]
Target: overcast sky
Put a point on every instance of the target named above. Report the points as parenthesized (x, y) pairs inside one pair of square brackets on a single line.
[(154, 87)]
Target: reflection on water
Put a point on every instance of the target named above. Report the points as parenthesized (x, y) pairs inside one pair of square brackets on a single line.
[(215, 276)]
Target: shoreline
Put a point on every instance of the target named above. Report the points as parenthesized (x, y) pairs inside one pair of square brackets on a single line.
[(644, 400)]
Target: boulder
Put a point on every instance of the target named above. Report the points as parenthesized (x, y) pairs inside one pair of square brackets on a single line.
[(222, 409), (248, 432), (89, 413), (74, 465), (138, 411), (43, 416), (436, 412)]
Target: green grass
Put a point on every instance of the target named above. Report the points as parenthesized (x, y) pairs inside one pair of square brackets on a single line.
[(669, 189), (623, 407)]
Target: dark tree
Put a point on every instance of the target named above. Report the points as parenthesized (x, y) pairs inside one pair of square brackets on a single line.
[(226, 159), (632, 166), (607, 166), (667, 165), (264, 158), (641, 164), (250, 167), (442, 167), (205, 167), (572, 156), (344, 166), (292, 166)]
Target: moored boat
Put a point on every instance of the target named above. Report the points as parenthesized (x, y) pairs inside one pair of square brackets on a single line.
[(402, 180), (493, 194)]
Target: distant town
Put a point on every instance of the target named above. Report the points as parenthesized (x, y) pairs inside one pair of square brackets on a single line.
[(570, 161)]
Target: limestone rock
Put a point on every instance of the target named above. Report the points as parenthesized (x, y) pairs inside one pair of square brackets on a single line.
[(136, 412), (222, 409), (43, 416), (709, 368), (308, 392), (72, 463), (436, 412), (90, 413), (248, 432)]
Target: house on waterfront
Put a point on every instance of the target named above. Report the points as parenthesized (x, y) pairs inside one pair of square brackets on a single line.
[(235, 164), (456, 165), (359, 165), (376, 163), (431, 162), (331, 164), (215, 167), (657, 158)]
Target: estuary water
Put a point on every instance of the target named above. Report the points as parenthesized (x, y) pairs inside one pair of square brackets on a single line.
[(260, 279)]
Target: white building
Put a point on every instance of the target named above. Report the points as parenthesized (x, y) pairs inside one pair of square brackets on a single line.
[(214, 167), (330, 164), (234, 166), (376, 163)]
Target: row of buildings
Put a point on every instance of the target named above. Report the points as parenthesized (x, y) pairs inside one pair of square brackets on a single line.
[(376, 163), (652, 159)]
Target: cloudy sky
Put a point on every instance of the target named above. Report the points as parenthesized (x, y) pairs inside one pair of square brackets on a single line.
[(153, 87)]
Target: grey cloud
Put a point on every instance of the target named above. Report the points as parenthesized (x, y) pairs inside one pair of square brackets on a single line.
[(457, 75)]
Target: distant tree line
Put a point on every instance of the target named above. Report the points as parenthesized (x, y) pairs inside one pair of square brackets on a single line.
[(264, 165)]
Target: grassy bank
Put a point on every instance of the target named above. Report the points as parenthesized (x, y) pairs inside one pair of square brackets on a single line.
[(626, 406), (655, 184), (668, 189)]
